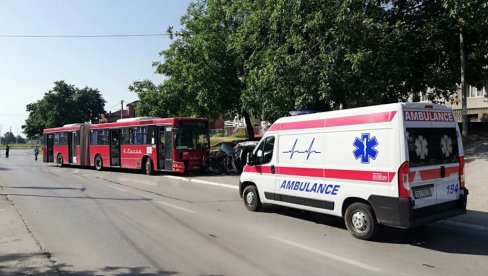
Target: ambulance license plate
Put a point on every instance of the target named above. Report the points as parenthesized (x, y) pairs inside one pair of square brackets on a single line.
[(421, 193)]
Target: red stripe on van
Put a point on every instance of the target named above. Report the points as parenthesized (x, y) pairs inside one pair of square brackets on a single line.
[(361, 119), (360, 175), (340, 121), (373, 176), (433, 174), (300, 171), (299, 125)]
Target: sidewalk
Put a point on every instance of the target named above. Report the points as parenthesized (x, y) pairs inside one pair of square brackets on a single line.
[(19, 253), (476, 168)]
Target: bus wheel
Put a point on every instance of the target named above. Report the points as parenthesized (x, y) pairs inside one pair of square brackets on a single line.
[(98, 163), (59, 160), (251, 198), (360, 221), (149, 166)]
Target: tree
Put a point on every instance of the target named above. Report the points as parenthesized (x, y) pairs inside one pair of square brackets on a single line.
[(315, 55), (8, 138), (325, 54), (19, 140), (64, 104), (268, 57), (203, 74), (472, 28)]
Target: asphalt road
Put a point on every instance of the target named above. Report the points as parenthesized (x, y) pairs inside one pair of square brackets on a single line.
[(126, 223)]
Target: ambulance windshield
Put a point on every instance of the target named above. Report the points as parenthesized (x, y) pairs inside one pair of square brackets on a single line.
[(432, 146)]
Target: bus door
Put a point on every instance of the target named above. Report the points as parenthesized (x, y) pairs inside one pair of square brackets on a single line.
[(72, 138), (165, 147), (84, 142), (49, 157), (115, 147)]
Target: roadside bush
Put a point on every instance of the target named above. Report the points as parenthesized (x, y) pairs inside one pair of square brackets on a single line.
[(240, 133)]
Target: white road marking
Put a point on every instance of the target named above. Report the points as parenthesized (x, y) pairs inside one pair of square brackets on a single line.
[(138, 181), (327, 254), (211, 183), (176, 177), (214, 184), (117, 188), (176, 207), (77, 176)]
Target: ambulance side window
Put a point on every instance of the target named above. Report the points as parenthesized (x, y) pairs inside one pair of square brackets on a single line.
[(264, 151)]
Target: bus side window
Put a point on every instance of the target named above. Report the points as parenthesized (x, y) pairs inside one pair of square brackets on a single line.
[(94, 137), (125, 136), (151, 136), (56, 139)]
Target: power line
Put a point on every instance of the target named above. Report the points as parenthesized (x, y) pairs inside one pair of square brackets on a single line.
[(82, 36)]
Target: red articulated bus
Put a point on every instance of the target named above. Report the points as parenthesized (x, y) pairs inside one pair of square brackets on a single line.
[(150, 144)]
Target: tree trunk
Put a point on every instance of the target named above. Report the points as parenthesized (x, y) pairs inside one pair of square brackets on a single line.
[(464, 90), (249, 126)]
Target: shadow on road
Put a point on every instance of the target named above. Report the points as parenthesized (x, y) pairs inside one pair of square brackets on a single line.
[(476, 149), (79, 197), (23, 267), (43, 188), (4, 169), (434, 236)]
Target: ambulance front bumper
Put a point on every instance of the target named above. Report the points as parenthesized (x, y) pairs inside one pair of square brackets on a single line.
[(400, 212)]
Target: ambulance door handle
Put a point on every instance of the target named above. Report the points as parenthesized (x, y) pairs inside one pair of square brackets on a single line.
[(272, 169), (443, 171)]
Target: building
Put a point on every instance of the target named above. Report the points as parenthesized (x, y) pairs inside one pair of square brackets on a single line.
[(128, 112), (477, 103)]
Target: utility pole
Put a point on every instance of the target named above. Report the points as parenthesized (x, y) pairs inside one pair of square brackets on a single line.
[(121, 109), (464, 104)]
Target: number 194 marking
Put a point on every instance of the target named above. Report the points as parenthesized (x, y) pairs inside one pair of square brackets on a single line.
[(452, 189)]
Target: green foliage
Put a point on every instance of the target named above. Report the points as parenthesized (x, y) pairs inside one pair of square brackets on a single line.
[(64, 104), (321, 54), (240, 133), (202, 74), (267, 57), (8, 138)]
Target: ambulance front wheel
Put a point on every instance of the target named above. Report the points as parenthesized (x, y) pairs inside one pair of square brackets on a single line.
[(251, 198), (360, 221)]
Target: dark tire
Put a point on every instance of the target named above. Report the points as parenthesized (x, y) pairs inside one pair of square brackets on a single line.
[(148, 167), (98, 163), (251, 198), (361, 221), (59, 160)]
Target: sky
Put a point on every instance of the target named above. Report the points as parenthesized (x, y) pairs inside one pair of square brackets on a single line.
[(30, 66)]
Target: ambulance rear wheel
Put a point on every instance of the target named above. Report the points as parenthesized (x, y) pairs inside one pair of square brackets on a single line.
[(251, 198), (360, 221)]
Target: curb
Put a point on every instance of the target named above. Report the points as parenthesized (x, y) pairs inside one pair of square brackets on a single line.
[(469, 226)]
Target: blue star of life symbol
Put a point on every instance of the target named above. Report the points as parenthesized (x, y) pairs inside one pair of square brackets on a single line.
[(365, 148)]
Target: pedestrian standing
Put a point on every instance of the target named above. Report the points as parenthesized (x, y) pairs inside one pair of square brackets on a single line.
[(7, 149), (36, 152)]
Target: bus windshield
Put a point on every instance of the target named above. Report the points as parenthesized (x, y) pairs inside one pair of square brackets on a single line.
[(192, 135)]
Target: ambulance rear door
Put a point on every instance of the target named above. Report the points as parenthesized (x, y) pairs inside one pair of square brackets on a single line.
[(434, 149)]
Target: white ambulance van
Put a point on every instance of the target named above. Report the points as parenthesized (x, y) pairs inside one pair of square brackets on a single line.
[(400, 165)]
